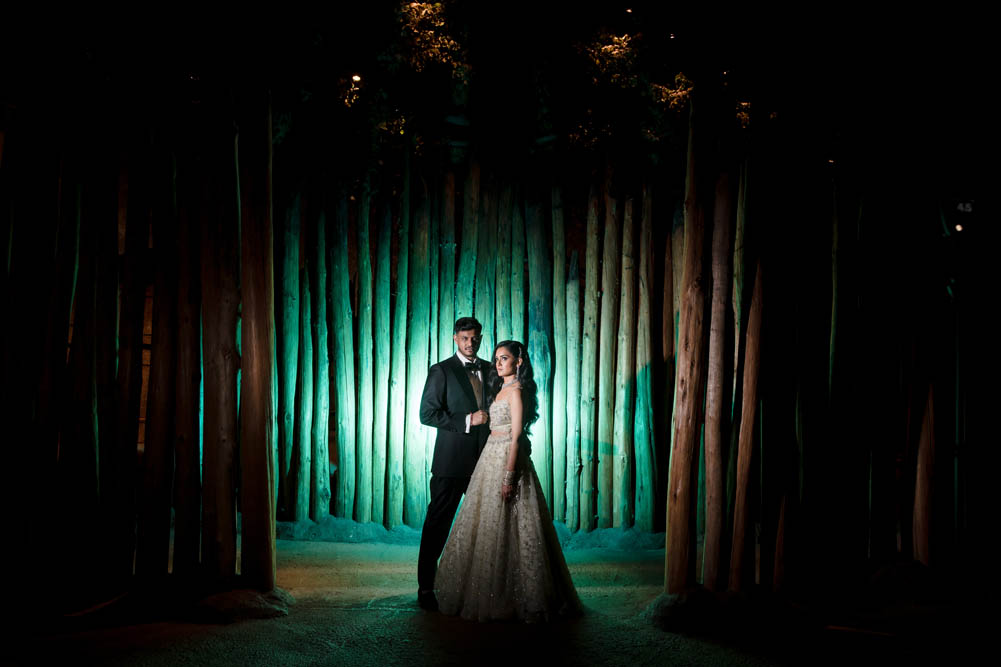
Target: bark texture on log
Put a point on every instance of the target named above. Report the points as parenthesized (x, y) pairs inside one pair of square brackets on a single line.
[(717, 407), (382, 362), (343, 355), (319, 496), (257, 394), (288, 348), (625, 381), (689, 390), (560, 358), (606, 355), (589, 367), (416, 460), (366, 391), (470, 232), (302, 460), (540, 336), (643, 425), (574, 402), (752, 360)]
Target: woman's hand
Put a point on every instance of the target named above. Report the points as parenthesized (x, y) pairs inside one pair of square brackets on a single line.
[(507, 492)]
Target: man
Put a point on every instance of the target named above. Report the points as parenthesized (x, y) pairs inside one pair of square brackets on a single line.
[(453, 402)]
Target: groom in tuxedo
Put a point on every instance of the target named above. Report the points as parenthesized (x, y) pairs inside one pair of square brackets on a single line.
[(453, 402)]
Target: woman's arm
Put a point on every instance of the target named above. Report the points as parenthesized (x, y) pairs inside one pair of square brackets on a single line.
[(514, 404)]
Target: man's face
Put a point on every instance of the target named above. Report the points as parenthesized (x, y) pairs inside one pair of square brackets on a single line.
[(467, 342)]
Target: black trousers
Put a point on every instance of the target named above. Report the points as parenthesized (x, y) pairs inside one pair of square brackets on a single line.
[(445, 495)]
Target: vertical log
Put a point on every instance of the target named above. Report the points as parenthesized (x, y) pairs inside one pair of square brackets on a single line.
[(288, 348), (643, 424), (717, 411), (574, 396), (689, 388), (220, 303), (467, 258), (363, 496), (257, 402), (303, 459), (921, 520), (343, 361), (319, 496), (446, 270), (539, 337), (158, 459), (398, 374), (518, 272), (606, 354), (415, 453), (560, 462), (187, 480), (486, 268), (625, 381), (746, 446), (589, 367), (382, 361), (502, 251)]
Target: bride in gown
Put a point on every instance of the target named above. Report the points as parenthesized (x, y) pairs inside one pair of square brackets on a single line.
[(503, 559)]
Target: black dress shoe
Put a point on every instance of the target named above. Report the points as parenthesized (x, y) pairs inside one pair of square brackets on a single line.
[(427, 600)]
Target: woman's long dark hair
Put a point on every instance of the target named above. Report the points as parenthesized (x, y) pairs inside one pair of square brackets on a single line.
[(524, 375)]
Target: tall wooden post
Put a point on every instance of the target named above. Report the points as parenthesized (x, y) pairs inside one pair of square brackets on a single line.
[(220, 305), (257, 397), (486, 269), (589, 367), (625, 382), (717, 408), (288, 347), (467, 258), (746, 446), (382, 360), (418, 333), (398, 373), (689, 389), (539, 337), (560, 358), (502, 252), (319, 497), (575, 398), (518, 270), (606, 354), (643, 425), (343, 361), (363, 484), (304, 399)]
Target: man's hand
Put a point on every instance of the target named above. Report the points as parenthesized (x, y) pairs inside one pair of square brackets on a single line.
[(478, 418)]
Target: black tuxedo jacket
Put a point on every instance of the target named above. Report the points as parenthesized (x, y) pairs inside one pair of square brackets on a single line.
[(448, 397)]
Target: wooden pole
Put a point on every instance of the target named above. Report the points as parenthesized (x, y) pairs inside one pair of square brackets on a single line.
[(560, 472), (258, 556), (467, 258), (606, 354), (575, 398), (364, 499), (398, 373), (502, 283), (153, 544), (446, 270), (752, 363), (418, 334), (518, 272), (643, 424), (486, 268), (589, 367), (288, 348), (344, 362), (304, 399), (717, 412), (319, 496), (540, 334), (187, 433), (382, 361), (625, 381), (689, 388), (220, 304)]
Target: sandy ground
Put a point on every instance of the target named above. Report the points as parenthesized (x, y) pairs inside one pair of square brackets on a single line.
[(355, 605)]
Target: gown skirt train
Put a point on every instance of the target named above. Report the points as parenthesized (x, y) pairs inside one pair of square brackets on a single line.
[(503, 559)]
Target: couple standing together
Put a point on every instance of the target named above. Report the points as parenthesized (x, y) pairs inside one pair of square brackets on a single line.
[(502, 559)]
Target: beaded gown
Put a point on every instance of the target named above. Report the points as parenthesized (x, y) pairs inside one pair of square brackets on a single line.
[(503, 559)]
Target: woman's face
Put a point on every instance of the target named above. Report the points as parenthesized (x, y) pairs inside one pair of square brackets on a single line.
[(505, 362)]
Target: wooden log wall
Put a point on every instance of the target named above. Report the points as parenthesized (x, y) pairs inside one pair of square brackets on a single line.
[(568, 268)]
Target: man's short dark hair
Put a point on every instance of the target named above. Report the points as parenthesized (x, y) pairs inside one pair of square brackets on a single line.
[(467, 323)]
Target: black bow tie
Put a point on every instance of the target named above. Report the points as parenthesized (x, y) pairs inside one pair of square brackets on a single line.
[(472, 366)]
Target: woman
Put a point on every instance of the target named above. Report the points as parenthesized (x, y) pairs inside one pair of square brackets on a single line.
[(503, 559)]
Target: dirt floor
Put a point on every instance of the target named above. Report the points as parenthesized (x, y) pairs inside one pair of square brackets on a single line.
[(355, 604)]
